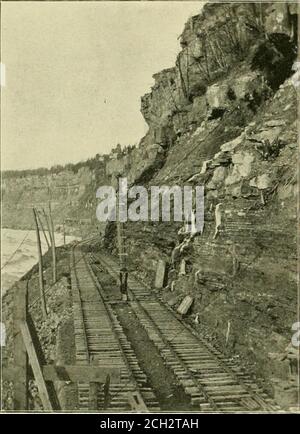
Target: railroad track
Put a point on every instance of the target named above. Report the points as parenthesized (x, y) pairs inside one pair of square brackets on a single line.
[(212, 381), (99, 339)]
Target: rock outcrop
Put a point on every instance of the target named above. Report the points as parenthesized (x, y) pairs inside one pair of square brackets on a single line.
[(225, 118)]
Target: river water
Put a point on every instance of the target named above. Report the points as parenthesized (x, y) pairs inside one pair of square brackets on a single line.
[(19, 253)]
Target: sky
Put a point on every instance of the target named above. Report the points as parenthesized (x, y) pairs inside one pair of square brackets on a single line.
[(75, 73)]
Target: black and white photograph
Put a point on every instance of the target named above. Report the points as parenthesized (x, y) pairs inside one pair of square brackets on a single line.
[(150, 210)]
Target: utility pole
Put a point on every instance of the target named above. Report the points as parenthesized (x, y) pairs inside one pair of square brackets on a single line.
[(120, 234), (47, 224), (51, 235), (41, 224), (41, 279), (52, 245), (64, 233), (122, 251)]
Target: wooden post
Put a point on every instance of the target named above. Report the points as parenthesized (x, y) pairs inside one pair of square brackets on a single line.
[(52, 241), (106, 392), (93, 389), (41, 279), (120, 234), (36, 366), (41, 224), (47, 224), (52, 245), (20, 354), (64, 233)]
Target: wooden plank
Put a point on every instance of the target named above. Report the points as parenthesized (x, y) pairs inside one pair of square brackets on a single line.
[(74, 373), (36, 367), (20, 354), (42, 361)]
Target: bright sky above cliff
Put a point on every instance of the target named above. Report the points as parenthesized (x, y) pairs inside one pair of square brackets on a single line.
[(75, 73)]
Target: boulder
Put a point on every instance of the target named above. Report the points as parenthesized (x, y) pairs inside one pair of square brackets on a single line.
[(242, 167), (270, 135), (205, 166), (275, 123), (199, 110), (286, 191), (261, 182), (277, 19), (216, 96), (218, 177), (221, 158), (230, 146), (246, 84), (243, 161)]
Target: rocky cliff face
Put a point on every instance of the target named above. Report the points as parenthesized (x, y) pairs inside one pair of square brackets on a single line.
[(225, 117)]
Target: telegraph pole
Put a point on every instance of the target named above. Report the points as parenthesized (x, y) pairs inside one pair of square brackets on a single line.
[(120, 233), (41, 224), (53, 245), (52, 240), (122, 250), (64, 229), (41, 279)]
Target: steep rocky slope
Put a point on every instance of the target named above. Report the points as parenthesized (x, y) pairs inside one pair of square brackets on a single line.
[(225, 118)]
